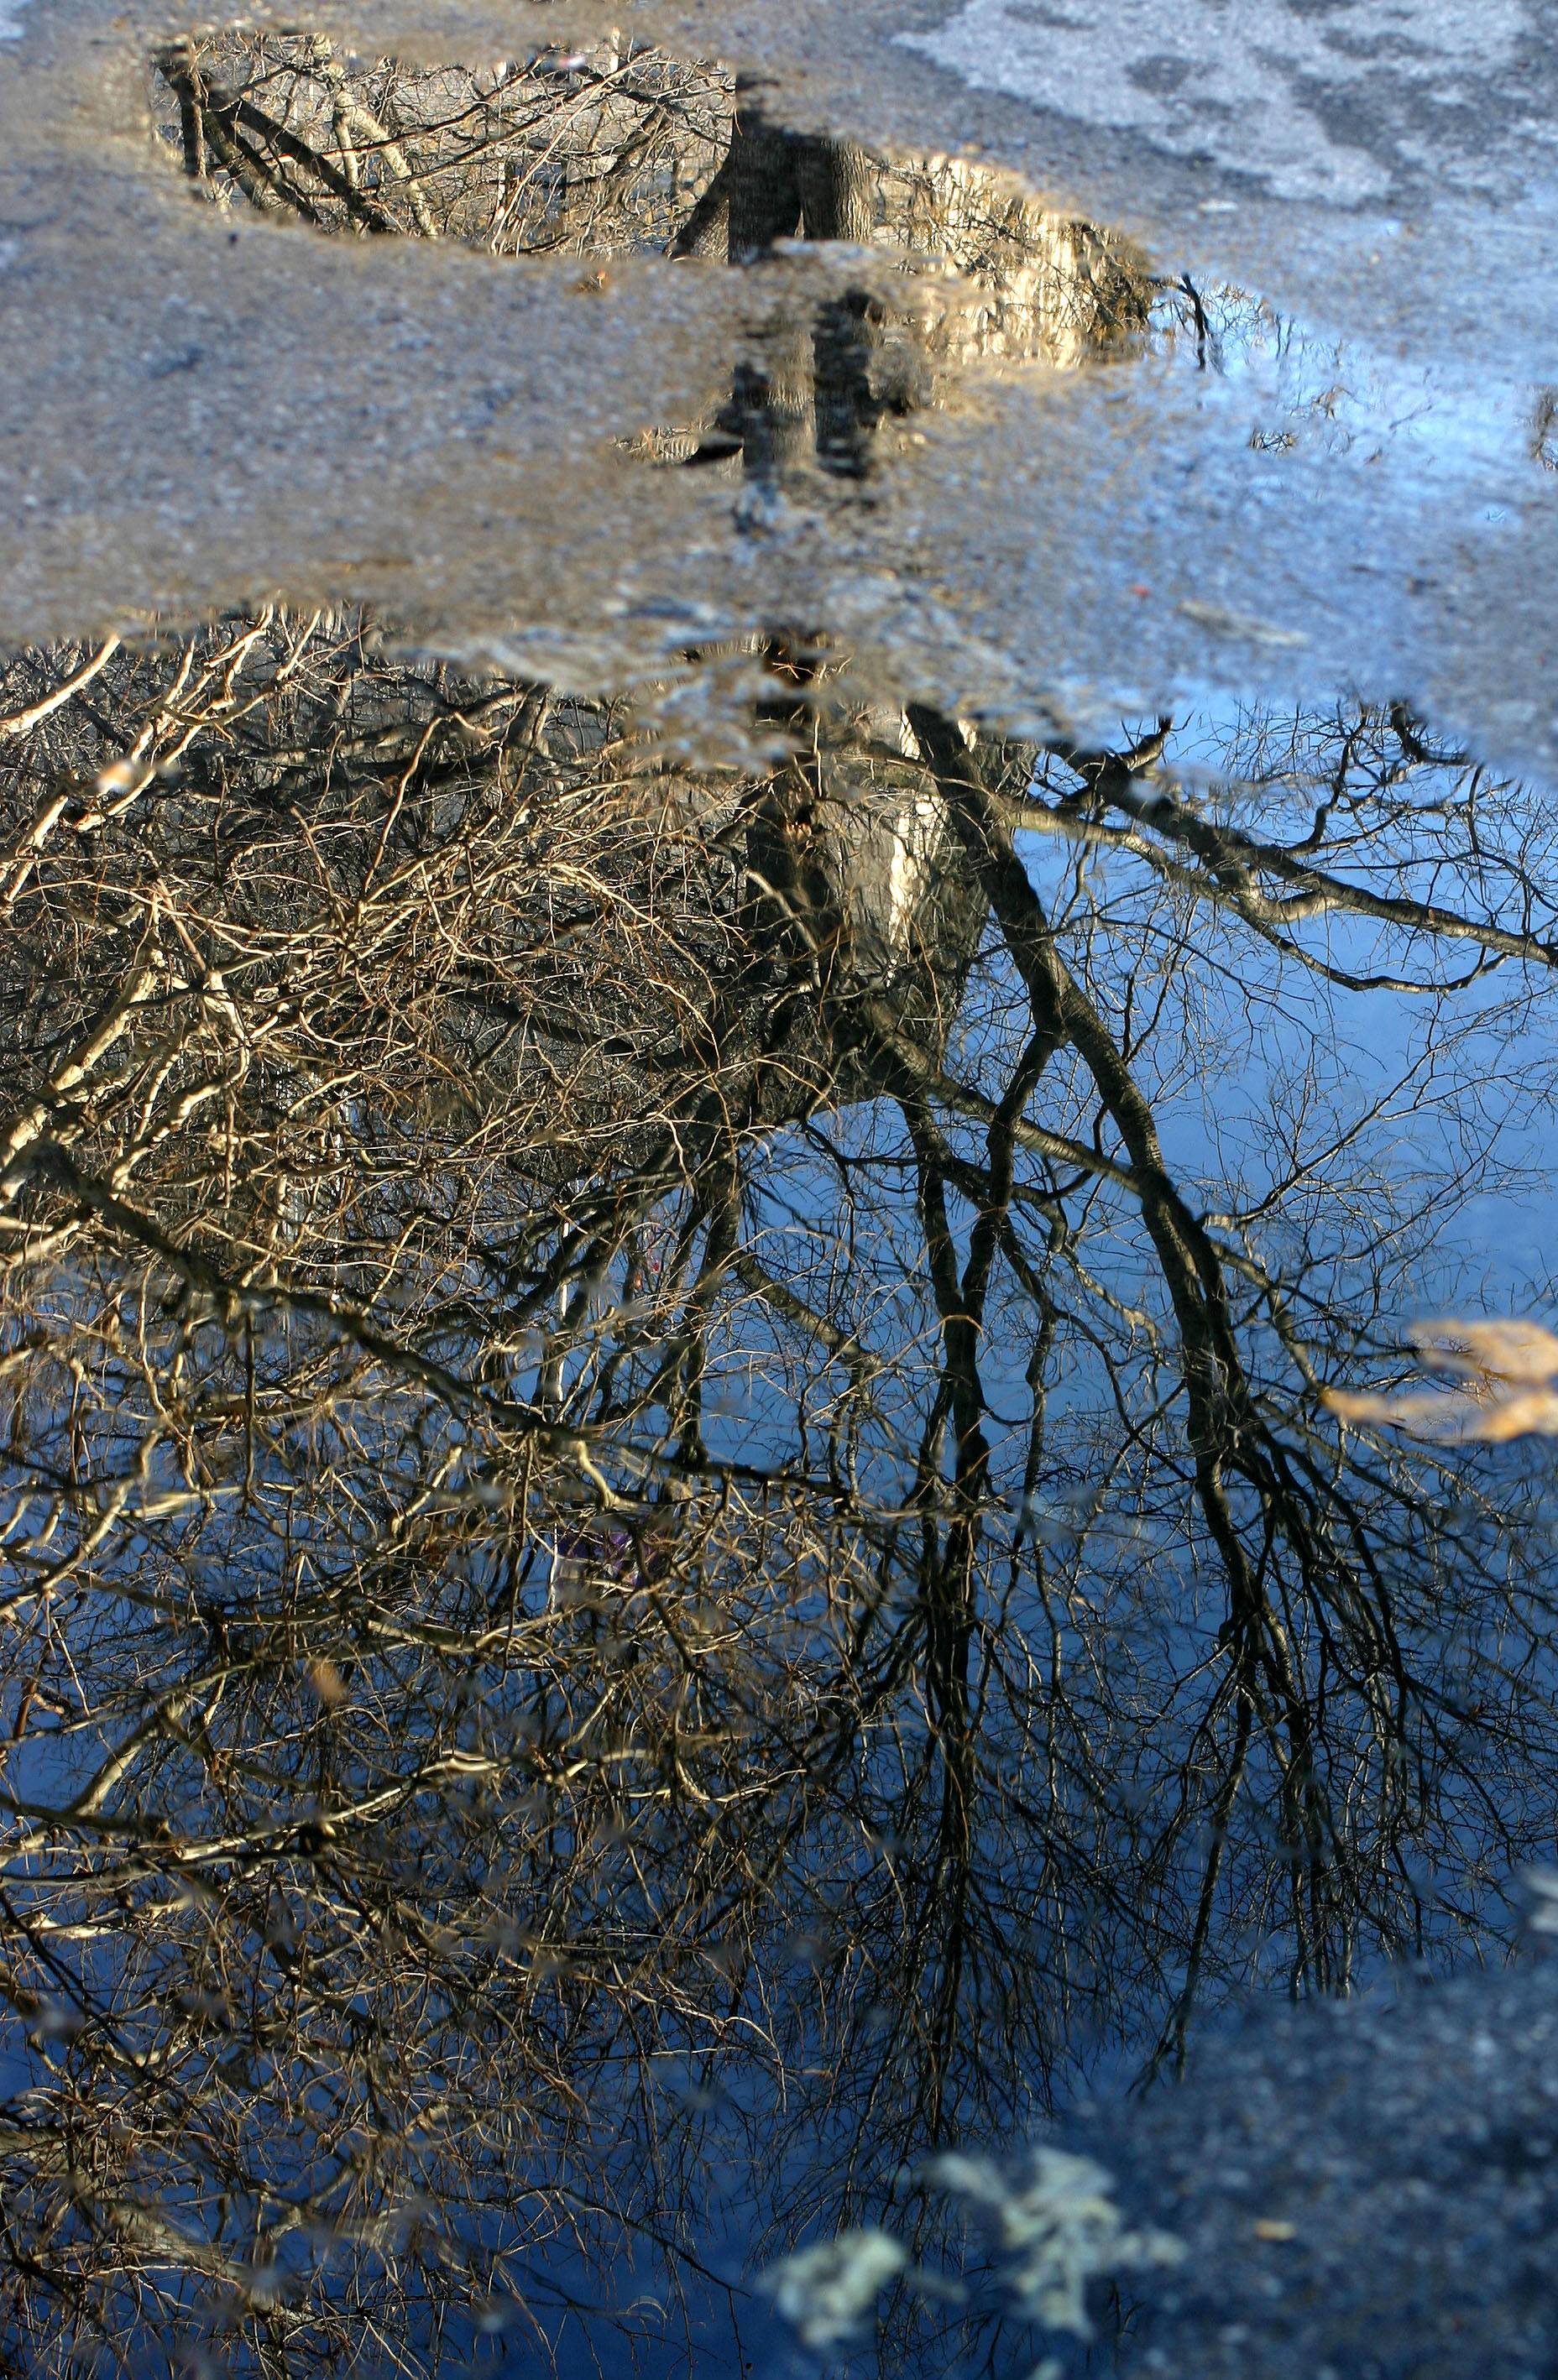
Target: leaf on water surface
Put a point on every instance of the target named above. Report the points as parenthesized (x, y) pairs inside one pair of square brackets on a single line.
[(326, 1682), (1502, 1350), (1508, 1368)]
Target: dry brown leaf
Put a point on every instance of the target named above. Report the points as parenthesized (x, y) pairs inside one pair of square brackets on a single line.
[(1506, 1369), (1500, 1351), (1424, 1412), (1532, 1415)]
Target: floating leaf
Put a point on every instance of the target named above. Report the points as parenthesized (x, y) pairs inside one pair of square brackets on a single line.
[(1508, 1370)]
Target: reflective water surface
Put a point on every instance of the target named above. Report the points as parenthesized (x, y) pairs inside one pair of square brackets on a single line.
[(683, 1541)]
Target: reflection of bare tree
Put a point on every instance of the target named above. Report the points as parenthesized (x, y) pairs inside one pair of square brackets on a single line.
[(598, 152), (527, 1321), (618, 148)]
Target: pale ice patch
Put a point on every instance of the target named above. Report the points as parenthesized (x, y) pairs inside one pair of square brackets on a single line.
[(1057, 2227), (1241, 82), (825, 2291), (10, 19)]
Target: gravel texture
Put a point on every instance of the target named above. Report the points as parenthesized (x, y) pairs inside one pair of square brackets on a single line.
[(1366, 2191)]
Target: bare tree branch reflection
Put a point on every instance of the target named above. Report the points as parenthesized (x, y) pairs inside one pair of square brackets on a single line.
[(592, 1555), (561, 153)]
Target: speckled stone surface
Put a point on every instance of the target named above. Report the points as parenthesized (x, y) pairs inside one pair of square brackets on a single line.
[(1366, 2190)]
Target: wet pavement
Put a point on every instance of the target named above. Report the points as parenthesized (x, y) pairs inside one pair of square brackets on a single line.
[(779, 934), (446, 435)]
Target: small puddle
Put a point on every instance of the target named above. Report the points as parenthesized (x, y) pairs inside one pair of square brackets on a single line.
[(616, 154), (699, 1447), (617, 151)]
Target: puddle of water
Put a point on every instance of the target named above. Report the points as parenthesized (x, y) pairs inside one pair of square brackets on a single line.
[(676, 1533), (615, 152), (604, 150), (895, 298), (619, 151), (665, 1451)]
